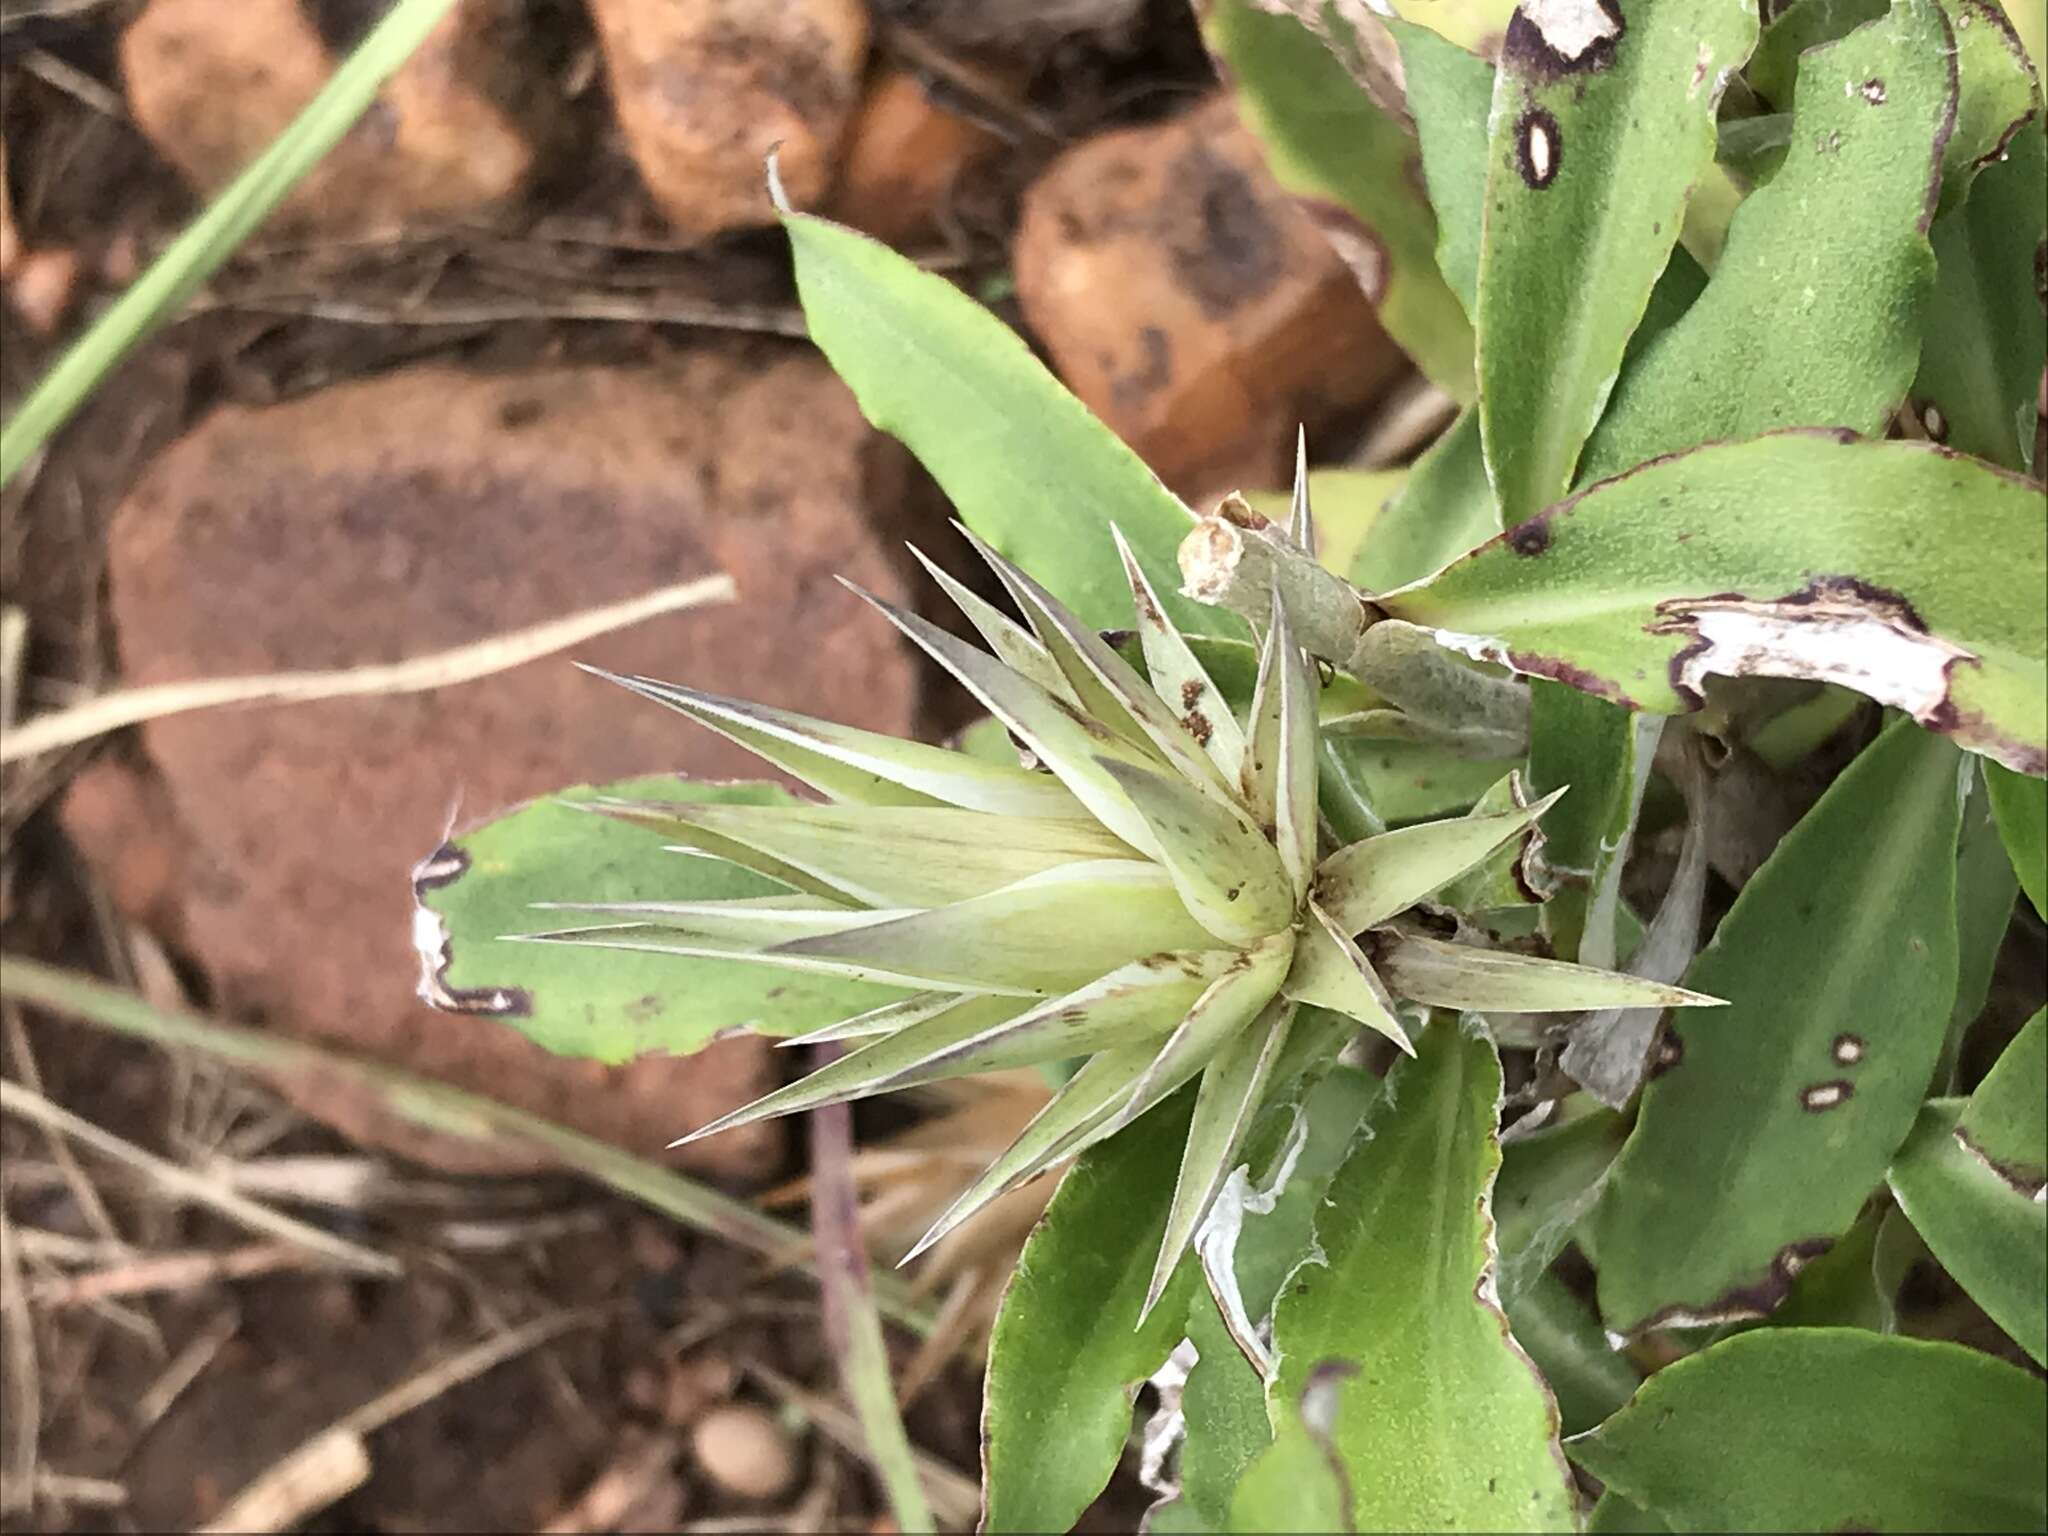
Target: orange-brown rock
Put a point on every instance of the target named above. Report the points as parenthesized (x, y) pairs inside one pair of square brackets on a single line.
[(1190, 303), (905, 154), (212, 85), (428, 509), (704, 89)]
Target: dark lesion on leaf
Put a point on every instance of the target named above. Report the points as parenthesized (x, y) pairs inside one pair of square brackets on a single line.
[(1818, 1098), (1539, 148), (1529, 538), (1758, 1299), (1526, 52)]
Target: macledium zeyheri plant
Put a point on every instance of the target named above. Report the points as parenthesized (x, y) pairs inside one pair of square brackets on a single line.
[(1158, 895)]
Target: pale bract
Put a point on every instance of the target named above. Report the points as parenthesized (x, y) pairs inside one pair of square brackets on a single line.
[(1154, 895)]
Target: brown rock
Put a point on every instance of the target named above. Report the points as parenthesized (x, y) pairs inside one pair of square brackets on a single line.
[(905, 153), (427, 509), (1190, 303), (212, 85), (704, 90)]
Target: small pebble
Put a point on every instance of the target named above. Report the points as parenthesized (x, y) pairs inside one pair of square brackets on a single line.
[(745, 1451)]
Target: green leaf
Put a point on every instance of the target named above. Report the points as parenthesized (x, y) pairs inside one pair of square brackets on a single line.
[(1380, 877), (1843, 1288), (1445, 509), (1799, 554), (1980, 366), (1613, 1515), (1447, 975), (1069, 1353), (1450, 93), (2006, 1123), (218, 232), (2020, 805), (1022, 460), (1986, 1233), (1224, 1399), (1996, 93), (481, 885), (1767, 1125), (1449, 1427), (1600, 128), (1354, 169), (1798, 26), (1826, 1429), (1299, 1484), (1812, 315), (1549, 1180), (1589, 1378), (1586, 745), (1348, 505)]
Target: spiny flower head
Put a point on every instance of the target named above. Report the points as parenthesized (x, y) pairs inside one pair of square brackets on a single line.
[(1158, 896)]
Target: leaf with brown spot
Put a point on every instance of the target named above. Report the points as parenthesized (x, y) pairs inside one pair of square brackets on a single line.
[(1762, 1142)]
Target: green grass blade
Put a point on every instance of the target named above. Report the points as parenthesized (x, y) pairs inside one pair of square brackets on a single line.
[(214, 236)]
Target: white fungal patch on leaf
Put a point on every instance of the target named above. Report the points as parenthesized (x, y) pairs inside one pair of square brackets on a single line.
[(1825, 1096), (1847, 1050), (1833, 631), (1570, 27), (1539, 149)]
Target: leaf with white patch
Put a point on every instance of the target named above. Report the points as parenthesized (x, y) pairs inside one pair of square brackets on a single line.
[(480, 886), (1764, 1128), (1602, 122), (861, 766), (1799, 554), (1376, 879)]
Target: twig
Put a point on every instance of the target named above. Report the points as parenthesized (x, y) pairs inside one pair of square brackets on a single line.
[(451, 1109), (75, 83), (23, 1059), (15, 1099), (184, 1369), (334, 1461), (330, 1466), (86, 1492), (626, 1487), (169, 1272), (465, 663), (23, 1386), (852, 1328)]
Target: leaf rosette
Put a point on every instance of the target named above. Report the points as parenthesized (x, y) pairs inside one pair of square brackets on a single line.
[(1149, 891)]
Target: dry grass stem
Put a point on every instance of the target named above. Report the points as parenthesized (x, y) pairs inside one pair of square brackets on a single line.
[(185, 1368), (23, 1386), (441, 669), (330, 1466), (160, 1272), (183, 1182)]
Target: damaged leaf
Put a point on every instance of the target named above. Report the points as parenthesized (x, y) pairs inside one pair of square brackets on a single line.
[(1354, 168), (1764, 1128), (1830, 1429), (480, 886), (2006, 1122), (1602, 121), (1401, 1287), (1989, 1235), (1799, 554), (1987, 333)]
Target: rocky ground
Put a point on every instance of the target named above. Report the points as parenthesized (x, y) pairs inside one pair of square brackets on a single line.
[(523, 344)]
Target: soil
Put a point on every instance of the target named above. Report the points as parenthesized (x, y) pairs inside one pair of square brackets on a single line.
[(155, 1409)]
